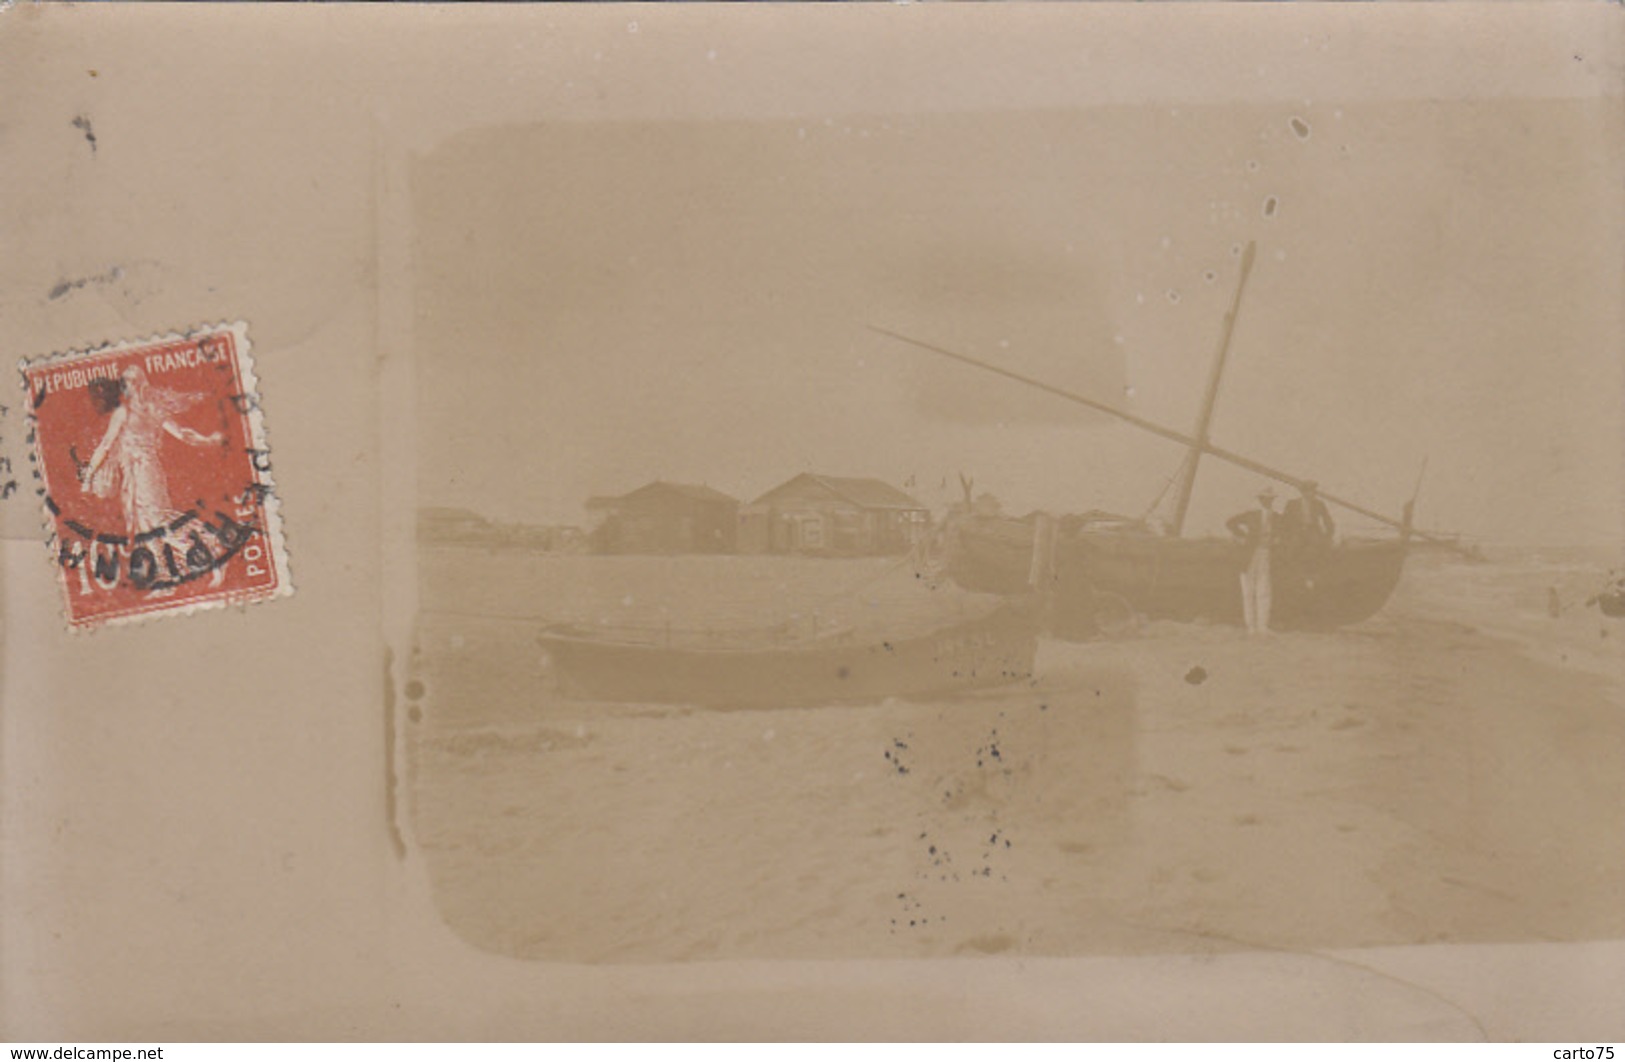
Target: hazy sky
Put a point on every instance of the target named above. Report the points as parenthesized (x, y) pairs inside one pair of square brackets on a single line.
[(604, 303)]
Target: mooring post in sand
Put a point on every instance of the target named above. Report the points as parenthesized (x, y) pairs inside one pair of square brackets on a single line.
[(1041, 576)]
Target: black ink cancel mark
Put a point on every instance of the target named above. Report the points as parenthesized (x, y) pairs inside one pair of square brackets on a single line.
[(8, 482), (141, 566)]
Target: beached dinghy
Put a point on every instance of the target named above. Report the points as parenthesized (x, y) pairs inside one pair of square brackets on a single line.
[(991, 649)]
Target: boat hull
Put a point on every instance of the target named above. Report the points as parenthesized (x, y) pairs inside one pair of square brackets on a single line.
[(995, 649), (1182, 579)]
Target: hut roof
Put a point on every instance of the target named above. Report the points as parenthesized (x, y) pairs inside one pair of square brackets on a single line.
[(690, 491), (862, 492)]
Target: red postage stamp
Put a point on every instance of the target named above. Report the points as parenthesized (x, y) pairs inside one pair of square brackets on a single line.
[(153, 465)]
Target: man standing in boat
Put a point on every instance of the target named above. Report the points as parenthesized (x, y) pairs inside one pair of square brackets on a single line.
[(1256, 529), (1306, 534), (1307, 522)]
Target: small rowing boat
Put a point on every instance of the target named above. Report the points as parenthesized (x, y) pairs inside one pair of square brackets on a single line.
[(991, 649)]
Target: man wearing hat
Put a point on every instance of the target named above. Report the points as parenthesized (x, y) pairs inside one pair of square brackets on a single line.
[(1256, 529), (1307, 524)]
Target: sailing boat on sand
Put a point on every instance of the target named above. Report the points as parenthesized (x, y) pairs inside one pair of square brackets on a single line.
[(1100, 572)]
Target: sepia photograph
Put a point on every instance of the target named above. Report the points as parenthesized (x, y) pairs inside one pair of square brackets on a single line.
[(917, 531)]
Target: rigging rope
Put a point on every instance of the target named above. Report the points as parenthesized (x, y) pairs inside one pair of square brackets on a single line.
[(1163, 493)]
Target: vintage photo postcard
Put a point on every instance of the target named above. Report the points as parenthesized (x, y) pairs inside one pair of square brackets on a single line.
[(963, 522)]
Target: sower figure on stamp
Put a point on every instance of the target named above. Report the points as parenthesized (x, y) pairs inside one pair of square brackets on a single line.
[(155, 476), (127, 460), (1256, 530)]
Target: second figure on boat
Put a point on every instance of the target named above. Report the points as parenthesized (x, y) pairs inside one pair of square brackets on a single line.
[(1257, 530)]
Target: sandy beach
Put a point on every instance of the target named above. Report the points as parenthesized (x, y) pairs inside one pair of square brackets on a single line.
[(1445, 772)]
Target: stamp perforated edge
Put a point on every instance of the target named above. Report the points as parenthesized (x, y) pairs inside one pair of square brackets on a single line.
[(254, 420)]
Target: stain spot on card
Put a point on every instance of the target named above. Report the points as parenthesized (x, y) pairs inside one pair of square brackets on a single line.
[(82, 123)]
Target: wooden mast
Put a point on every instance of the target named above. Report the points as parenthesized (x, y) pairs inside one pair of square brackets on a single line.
[(1154, 428), (1205, 418)]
